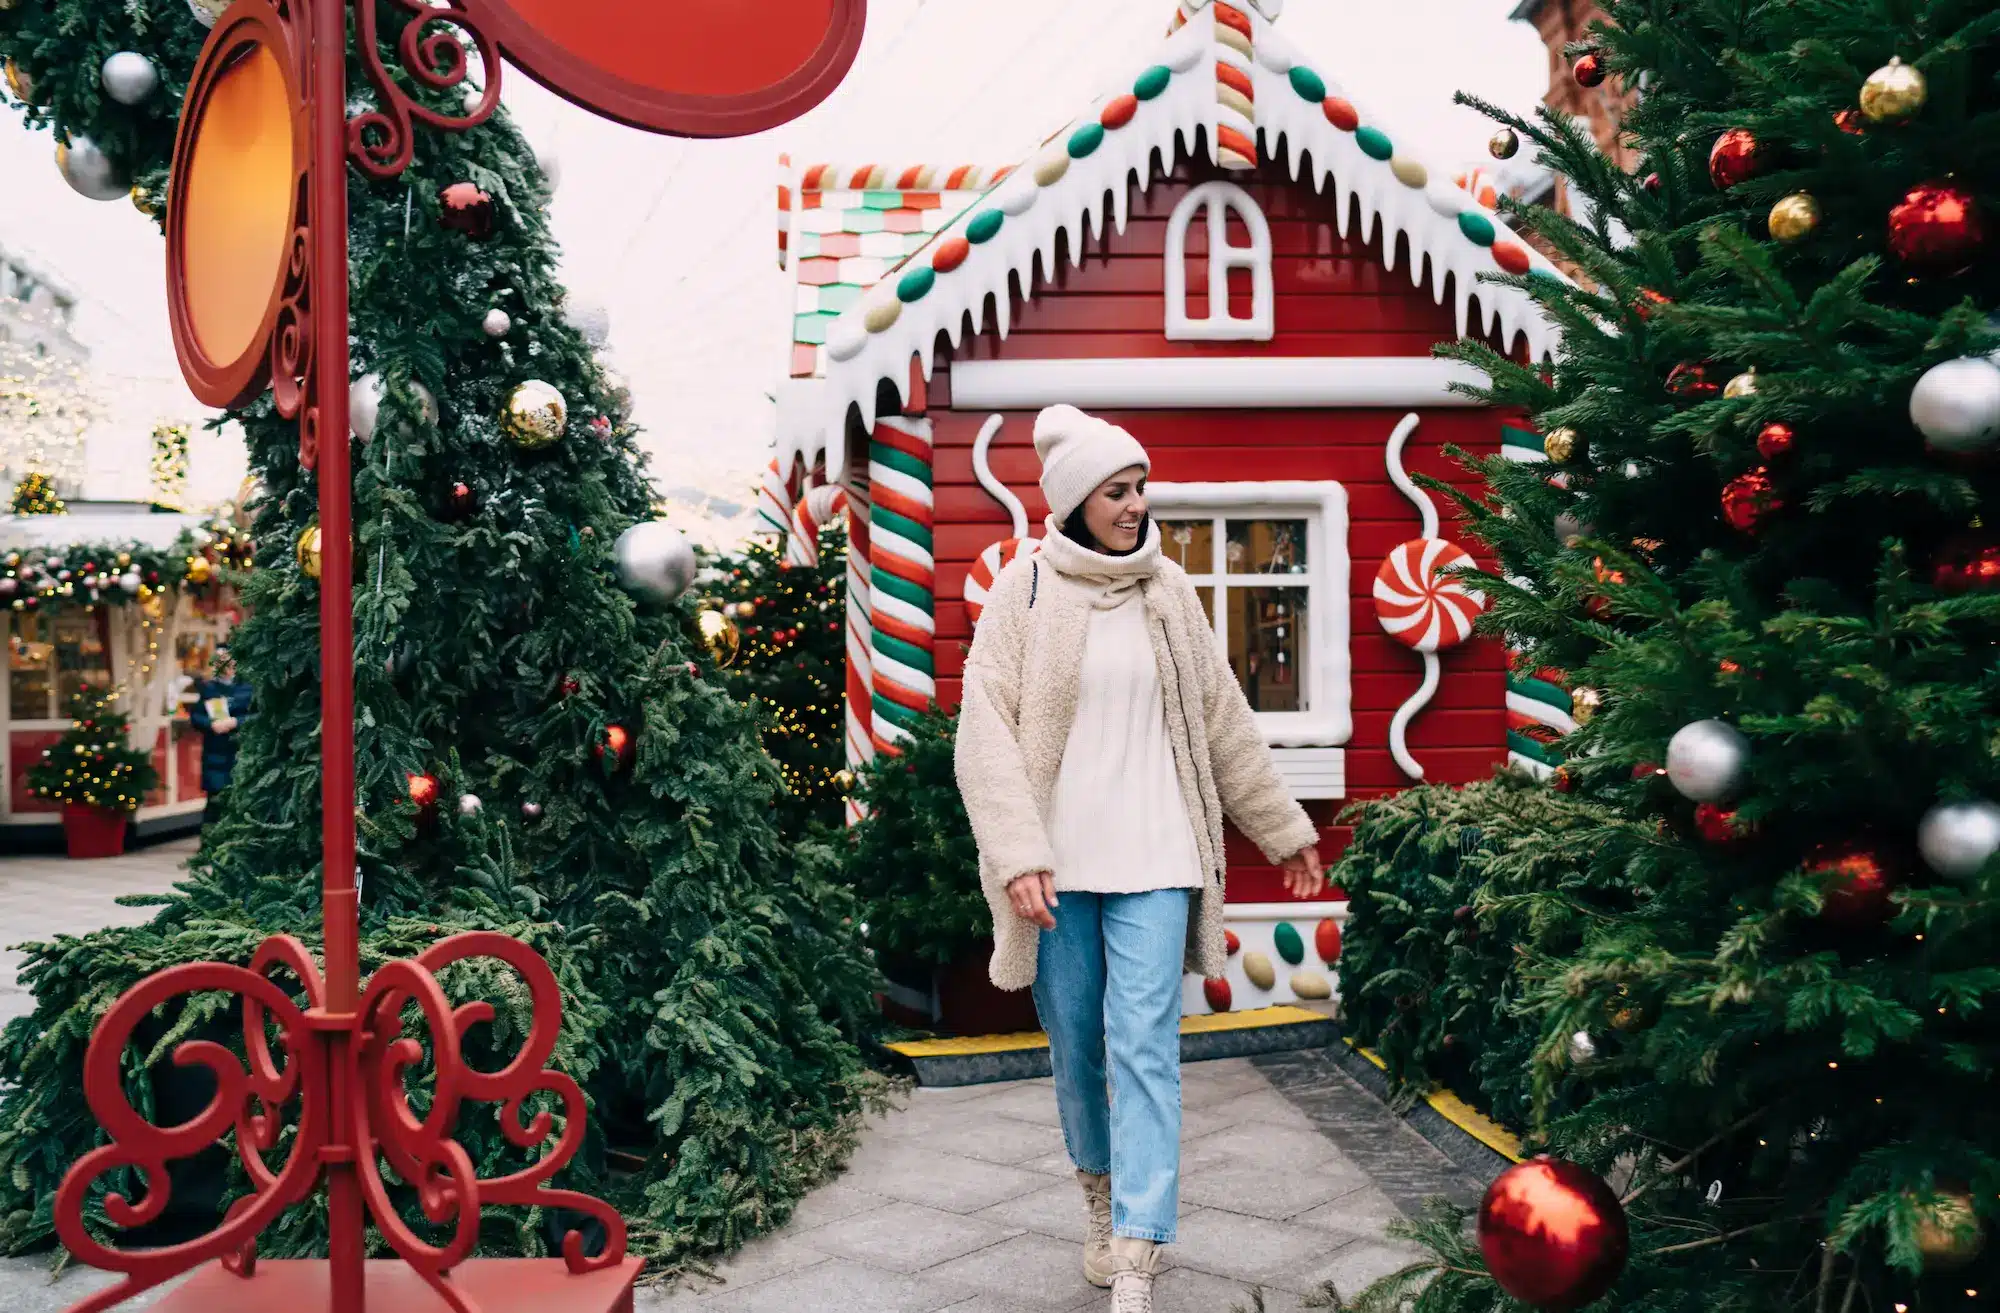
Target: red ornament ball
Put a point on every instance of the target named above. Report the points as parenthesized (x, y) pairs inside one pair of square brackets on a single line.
[(1775, 440), (1719, 825), (1651, 183), (1969, 563), (1647, 770), (1735, 157), (569, 686), (1936, 228), (1216, 990), (617, 744), (424, 791), (1857, 884), (1589, 70), (462, 500), (466, 209), (1643, 304), (1598, 605), (1564, 780), (1692, 380), (1553, 1234), (1850, 121), (1748, 499)]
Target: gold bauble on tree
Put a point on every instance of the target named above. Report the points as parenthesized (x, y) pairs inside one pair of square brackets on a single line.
[(843, 780), (199, 571), (308, 551), (1794, 217), (1894, 93), (1504, 144), (1743, 385), (1949, 1233), (1583, 704), (719, 635), (1559, 444), (536, 416)]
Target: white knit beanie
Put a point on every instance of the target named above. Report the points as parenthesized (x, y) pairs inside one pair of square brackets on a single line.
[(1079, 452)]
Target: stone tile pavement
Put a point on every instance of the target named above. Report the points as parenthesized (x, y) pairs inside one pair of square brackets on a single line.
[(964, 1199)]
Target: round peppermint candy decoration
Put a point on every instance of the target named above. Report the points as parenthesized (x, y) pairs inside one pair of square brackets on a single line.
[(996, 557), (1418, 604)]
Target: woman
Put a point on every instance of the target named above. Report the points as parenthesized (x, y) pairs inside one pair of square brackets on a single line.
[(1102, 739)]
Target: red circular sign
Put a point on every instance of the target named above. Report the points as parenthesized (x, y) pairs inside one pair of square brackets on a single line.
[(693, 68)]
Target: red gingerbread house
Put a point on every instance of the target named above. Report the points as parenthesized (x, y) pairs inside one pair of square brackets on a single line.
[(1242, 266)]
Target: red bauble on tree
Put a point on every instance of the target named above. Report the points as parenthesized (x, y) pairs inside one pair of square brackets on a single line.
[(1735, 157), (1857, 881), (616, 745), (1719, 825), (1775, 440), (1969, 563), (1589, 70), (466, 209), (1553, 1234), (1936, 228), (424, 792), (1850, 121), (1692, 380), (1748, 499), (1651, 182), (1644, 304), (461, 500)]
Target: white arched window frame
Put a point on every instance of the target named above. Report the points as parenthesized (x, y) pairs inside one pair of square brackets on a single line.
[(1215, 201)]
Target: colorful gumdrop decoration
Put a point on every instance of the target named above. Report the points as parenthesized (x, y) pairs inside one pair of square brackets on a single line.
[(1553, 1234)]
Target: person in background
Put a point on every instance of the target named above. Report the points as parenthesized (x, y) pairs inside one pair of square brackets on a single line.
[(223, 707)]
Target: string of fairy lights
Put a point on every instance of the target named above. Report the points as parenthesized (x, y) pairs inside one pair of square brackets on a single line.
[(46, 404), (775, 602)]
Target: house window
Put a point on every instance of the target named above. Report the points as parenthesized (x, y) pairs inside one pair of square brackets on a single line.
[(1269, 562), (50, 660), (1215, 202)]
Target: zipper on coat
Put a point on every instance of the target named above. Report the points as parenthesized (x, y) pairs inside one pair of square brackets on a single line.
[(1180, 692)]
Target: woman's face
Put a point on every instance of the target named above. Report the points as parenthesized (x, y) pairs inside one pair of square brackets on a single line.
[(1115, 512)]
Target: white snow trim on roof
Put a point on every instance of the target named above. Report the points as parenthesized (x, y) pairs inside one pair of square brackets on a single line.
[(812, 419)]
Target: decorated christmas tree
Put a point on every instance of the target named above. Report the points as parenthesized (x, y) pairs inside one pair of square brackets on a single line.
[(786, 607), (538, 749), (1766, 551), (94, 763)]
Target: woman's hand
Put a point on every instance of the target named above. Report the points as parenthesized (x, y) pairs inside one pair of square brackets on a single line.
[(1033, 895), (1304, 876)]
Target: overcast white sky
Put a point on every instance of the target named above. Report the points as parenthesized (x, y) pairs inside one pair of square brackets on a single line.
[(678, 238)]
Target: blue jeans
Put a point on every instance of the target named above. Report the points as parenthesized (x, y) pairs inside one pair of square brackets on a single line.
[(1108, 986)]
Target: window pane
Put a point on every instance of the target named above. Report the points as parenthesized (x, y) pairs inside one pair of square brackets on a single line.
[(81, 658), (1267, 547), (30, 671), (1190, 544), (1267, 646)]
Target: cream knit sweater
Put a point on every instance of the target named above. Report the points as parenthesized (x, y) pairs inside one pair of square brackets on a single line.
[(1023, 680)]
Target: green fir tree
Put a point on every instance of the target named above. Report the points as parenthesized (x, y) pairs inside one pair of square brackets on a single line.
[(601, 792), (94, 763), (1791, 1067)]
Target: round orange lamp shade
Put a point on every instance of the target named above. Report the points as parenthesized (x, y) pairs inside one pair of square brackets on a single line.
[(236, 220)]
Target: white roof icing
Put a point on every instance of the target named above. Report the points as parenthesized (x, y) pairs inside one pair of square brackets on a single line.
[(1059, 195)]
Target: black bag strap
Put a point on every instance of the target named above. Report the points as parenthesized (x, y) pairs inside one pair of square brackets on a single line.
[(1034, 582)]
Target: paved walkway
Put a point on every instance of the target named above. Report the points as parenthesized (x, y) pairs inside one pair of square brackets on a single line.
[(964, 1199)]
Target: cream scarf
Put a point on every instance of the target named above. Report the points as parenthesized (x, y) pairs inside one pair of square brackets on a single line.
[(1112, 580)]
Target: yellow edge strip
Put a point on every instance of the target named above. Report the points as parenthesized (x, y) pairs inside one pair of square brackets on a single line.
[(1462, 1115), (1208, 1023)]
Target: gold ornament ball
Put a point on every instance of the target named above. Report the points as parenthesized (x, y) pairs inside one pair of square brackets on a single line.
[(843, 780), (1949, 1233), (1504, 144), (1560, 444), (1894, 93), (308, 551), (1583, 704), (720, 636), (536, 416), (1743, 385), (1794, 217), (199, 571), (20, 83)]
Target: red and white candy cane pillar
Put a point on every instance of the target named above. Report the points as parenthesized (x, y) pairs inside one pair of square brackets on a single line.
[(774, 499), (1235, 94), (902, 572), (1418, 603), (820, 505), (860, 639)]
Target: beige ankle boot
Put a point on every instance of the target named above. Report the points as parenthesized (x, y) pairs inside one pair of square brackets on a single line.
[(1097, 1240), (1133, 1263)]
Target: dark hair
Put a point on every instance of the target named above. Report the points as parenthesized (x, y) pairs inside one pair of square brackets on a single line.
[(1079, 533)]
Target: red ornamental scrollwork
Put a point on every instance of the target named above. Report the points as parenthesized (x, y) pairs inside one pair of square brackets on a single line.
[(349, 1079), (382, 141)]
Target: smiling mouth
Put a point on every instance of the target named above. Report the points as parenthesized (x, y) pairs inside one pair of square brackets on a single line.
[(1124, 527)]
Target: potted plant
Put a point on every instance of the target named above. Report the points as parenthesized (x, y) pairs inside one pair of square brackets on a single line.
[(915, 867), (96, 774)]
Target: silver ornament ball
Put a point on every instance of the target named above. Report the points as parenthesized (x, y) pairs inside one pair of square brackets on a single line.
[(591, 319), (469, 804), (498, 323), (129, 77), (531, 812), (90, 172), (1569, 527), (1705, 760), (655, 560), (1959, 838), (1956, 406), (1582, 1048), (365, 398), (129, 581)]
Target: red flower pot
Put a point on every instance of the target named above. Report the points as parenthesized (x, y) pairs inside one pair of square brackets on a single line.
[(92, 832)]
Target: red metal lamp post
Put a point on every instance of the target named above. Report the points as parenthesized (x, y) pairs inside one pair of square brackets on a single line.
[(257, 280)]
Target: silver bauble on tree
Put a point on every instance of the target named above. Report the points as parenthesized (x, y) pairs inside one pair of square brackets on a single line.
[(1582, 1048), (1706, 760), (1956, 406), (655, 560), (1959, 838), (469, 805), (129, 77), (365, 398), (590, 319), (90, 172), (498, 323)]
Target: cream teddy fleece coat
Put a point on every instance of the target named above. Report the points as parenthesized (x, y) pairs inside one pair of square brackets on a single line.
[(1019, 702)]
